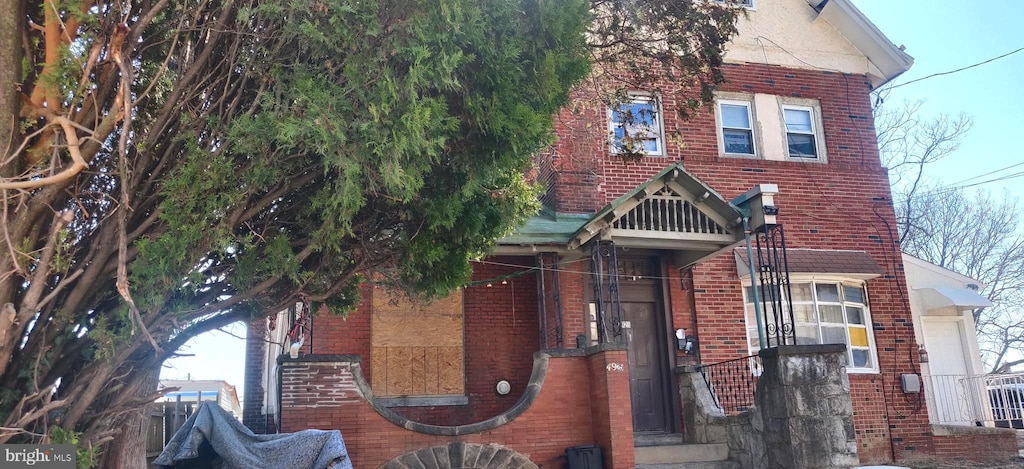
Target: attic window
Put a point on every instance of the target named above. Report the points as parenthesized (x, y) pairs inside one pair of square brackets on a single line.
[(635, 127)]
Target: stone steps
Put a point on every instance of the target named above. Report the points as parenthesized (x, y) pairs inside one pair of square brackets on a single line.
[(681, 454)]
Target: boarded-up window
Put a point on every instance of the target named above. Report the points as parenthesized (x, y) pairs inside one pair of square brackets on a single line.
[(417, 347)]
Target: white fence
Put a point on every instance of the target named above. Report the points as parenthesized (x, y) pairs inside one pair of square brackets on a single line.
[(995, 400)]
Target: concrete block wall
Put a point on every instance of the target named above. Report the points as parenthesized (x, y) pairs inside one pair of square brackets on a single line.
[(802, 417)]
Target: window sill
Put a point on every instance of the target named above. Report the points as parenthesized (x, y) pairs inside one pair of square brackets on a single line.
[(861, 371), (422, 401), (745, 156), (807, 159)]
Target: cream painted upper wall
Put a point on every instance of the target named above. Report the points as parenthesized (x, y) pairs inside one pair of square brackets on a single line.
[(795, 26)]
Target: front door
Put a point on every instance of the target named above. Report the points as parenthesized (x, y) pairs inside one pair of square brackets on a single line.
[(647, 383)]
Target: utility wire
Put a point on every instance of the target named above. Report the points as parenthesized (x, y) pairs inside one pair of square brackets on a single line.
[(988, 173), (950, 72)]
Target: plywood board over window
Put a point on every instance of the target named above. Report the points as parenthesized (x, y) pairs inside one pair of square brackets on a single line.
[(417, 348)]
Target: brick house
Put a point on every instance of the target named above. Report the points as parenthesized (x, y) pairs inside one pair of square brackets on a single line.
[(573, 328)]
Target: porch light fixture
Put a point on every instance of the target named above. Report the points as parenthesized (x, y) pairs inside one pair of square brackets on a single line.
[(684, 342), (503, 387), (771, 210)]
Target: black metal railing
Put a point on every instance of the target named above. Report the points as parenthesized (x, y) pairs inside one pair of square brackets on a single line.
[(604, 273), (732, 383), (775, 295)]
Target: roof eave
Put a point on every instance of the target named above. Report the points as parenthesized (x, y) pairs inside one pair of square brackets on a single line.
[(891, 61)]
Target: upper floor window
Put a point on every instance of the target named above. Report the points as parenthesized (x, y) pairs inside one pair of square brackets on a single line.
[(826, 313), (739, 3), (800, 131), (635, 127), (770, 127), (737, 127)]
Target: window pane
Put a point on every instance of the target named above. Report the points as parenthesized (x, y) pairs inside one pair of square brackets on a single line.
[(735, 116), (827, 292), (800, 291), (858, 336), (798, 120), (651, 145), (801, 145), (634, 114), (853, 294), (831, 313), (754, 342), (861, 358), (803, 313), (738, 141), (833, 335), (807, 335), (855, 314)]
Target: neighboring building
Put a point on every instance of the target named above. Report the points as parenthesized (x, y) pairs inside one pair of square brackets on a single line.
[(648, 254), (195, 391), (943, 302)]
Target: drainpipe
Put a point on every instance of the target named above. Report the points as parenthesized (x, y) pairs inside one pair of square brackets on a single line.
[(753, 284)]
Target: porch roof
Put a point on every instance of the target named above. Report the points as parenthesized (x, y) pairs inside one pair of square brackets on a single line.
[(691, 214), (547, 227), (853, 264)]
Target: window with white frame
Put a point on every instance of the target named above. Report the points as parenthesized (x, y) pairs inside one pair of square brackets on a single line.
[(825, 312), (635, 126), (801, 137), (737, 127), (742, 3)]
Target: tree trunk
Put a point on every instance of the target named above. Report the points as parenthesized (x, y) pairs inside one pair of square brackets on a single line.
[(10, 78), (128, 448)]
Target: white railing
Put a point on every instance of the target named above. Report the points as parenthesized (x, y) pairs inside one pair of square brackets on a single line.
[(667, 213), (994, 400)]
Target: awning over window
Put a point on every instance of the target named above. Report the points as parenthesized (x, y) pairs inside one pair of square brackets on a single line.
[(852, 264), (962, 298)]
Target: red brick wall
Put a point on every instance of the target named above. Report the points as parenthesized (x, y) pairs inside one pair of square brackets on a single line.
[(611, 407), (502, 331), (1000, 447), (559, 417), (501, 334), (844, 204)]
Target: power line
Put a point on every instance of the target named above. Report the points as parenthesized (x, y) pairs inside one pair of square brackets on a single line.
[(959, 69), (943, 190), (988, 173)]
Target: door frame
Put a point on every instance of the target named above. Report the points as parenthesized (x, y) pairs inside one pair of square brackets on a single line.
[(667, 335), (665, 352)]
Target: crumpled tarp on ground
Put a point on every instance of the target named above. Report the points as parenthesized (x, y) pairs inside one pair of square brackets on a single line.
[(212, 438)]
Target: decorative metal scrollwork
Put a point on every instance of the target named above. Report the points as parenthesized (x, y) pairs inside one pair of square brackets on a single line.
[(775, 294)]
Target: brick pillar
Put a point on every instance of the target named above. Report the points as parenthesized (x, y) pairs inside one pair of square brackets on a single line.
[(255, 353), (804, 398), (610, 406)]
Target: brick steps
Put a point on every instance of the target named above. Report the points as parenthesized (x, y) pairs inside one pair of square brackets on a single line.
[(673, 455)]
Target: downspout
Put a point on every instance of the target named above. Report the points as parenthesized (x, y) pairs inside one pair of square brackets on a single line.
[(753, 284)]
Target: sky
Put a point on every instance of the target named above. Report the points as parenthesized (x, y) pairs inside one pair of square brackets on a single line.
[(941, 35), (944, 35)]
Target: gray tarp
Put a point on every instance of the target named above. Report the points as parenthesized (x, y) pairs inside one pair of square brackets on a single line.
[(212, 438)]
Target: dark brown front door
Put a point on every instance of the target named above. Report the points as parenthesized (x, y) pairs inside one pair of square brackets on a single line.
[(646, 367)]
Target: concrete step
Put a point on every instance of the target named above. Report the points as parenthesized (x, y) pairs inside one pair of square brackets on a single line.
[(693, 465), (657, 439), (677, 454)]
